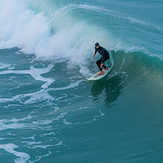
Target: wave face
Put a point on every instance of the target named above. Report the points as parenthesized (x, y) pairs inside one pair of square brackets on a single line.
[(48, 109)]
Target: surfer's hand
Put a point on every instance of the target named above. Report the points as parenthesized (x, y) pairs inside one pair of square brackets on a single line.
[(94, 54), (101, 65)]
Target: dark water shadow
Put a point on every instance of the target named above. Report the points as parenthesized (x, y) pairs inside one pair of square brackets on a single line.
[(108, 89)]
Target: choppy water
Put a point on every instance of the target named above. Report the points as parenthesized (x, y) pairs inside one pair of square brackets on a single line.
[(49, 111)]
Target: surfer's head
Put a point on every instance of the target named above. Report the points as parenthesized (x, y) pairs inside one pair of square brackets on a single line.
[(97, 45)]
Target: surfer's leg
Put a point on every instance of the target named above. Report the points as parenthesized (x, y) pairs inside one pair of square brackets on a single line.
[(98, 62), (105, 68)]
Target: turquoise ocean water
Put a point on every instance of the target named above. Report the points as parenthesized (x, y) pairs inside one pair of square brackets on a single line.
[(50, 112)]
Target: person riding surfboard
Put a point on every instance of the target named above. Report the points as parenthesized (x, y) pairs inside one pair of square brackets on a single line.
[(105, 56)]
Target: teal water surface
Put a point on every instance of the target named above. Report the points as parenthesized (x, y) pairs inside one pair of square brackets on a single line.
[(49, 111)]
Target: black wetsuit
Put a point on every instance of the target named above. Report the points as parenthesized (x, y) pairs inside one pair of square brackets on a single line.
[(105, 56)]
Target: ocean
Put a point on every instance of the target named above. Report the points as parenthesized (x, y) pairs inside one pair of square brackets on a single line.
[(50, 112)]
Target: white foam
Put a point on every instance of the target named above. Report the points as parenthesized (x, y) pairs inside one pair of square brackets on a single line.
[(39, 157), (14, 124), (32, 33), (69, 123), (3, 139), (32, 137), (35, 73), (42, 122), (41, 146), (123, 61), (19, 26), (39, 95), (102, 114), (11, 124), (53, 112), (31, 142), (51, 133), (60, 144), (11, 105), (3, 66), (23, 157)]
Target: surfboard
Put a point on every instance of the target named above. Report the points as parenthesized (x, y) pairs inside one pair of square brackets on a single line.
[(98, 77)]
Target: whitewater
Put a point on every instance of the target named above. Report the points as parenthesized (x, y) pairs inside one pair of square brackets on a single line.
[(49, 111)]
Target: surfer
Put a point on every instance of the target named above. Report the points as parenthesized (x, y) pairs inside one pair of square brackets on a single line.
[(105, 56)]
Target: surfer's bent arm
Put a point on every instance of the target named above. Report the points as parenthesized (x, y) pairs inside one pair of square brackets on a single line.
[(95, 53)]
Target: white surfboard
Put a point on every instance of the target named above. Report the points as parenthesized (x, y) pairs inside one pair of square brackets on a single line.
[(98, 77)]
